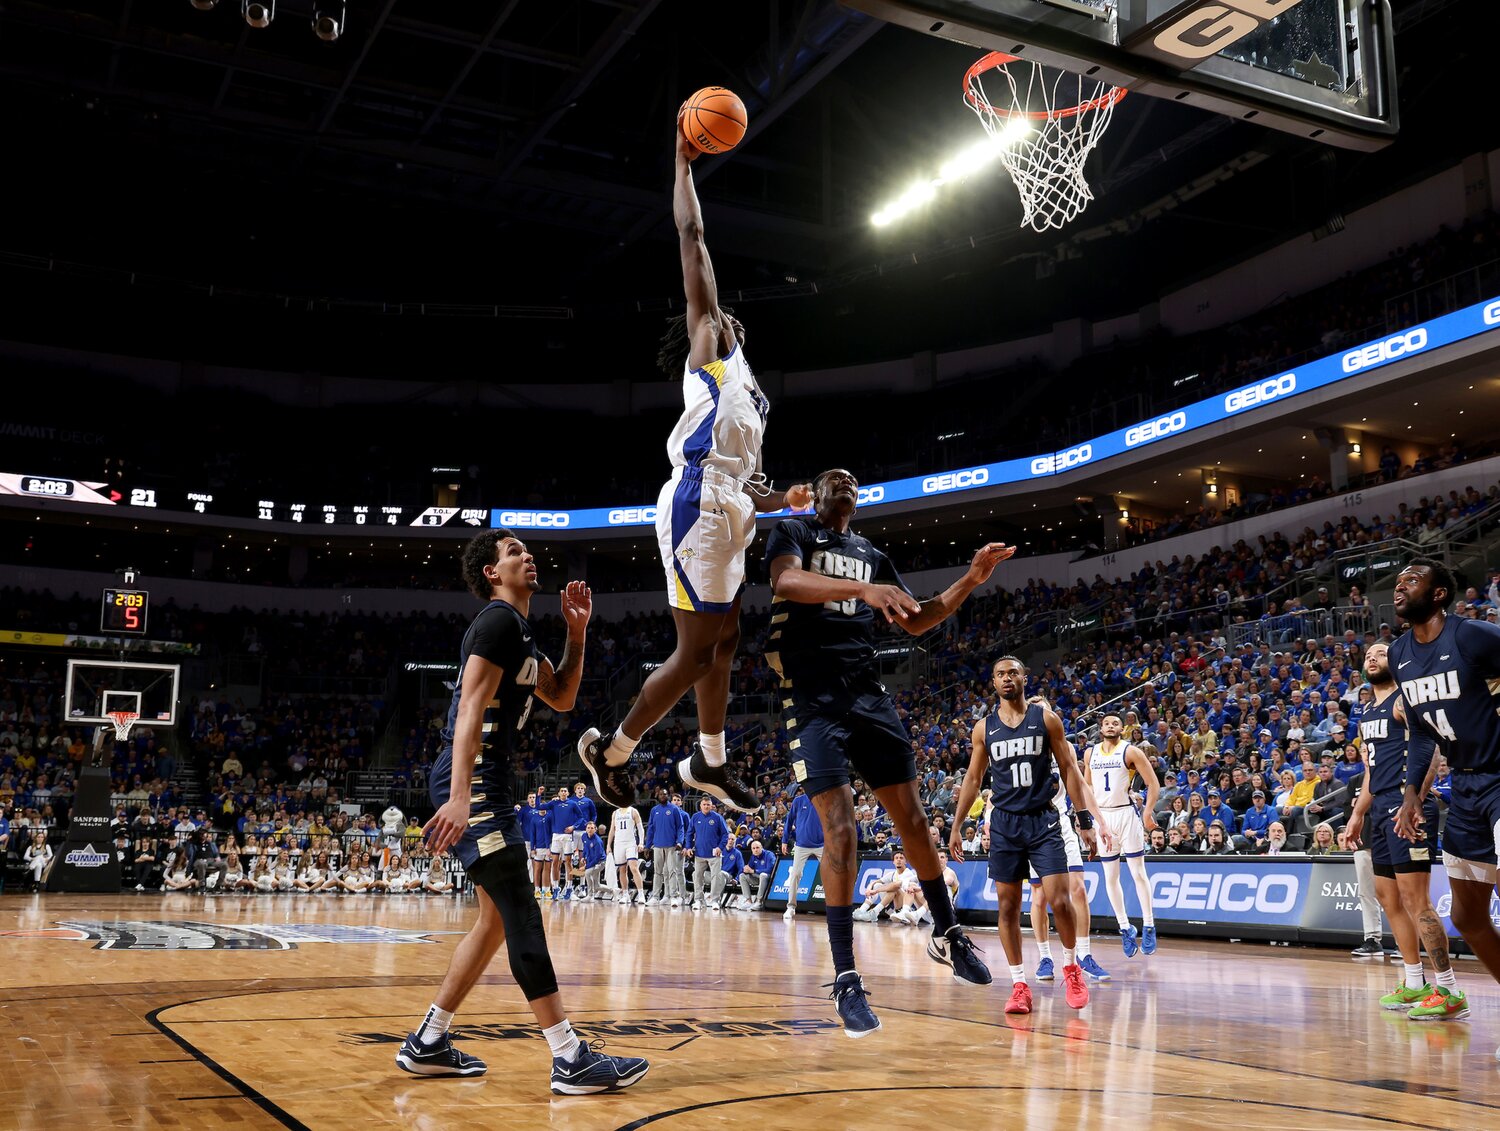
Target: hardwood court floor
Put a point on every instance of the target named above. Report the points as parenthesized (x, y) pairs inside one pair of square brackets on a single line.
[(105, 1025)]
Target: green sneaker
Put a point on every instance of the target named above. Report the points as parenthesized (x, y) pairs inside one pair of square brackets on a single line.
[(1404, 998), (1442, 1004)]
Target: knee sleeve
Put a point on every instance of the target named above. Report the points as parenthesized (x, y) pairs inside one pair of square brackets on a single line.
[(502, 875)]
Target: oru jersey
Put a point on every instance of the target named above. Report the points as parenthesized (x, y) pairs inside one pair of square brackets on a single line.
[(1020, 762), (501, 635), (820, 644), (723, 418), (1451, 690), (1384, 741)]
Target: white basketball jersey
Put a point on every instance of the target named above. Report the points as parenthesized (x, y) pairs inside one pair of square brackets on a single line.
[(1110, 776), (624, 820), (723, 418)]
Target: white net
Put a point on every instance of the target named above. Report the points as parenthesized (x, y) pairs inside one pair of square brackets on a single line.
[(1045, 123)]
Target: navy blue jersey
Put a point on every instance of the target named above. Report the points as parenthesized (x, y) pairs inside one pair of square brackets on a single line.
[(816, 643), (1021, 762), (1384, 743), (502, 636), (1451, 690)]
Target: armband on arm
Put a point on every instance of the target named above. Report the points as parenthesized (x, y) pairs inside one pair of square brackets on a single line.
[(1085, 819)]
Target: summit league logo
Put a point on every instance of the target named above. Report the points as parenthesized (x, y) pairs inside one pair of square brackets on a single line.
[(187, 934)]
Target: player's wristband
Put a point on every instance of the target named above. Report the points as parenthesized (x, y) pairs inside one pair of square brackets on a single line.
[(1085, 820)]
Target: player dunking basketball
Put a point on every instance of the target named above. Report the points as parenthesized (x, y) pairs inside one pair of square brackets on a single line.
[(1017, 746), (472, 784), (1403, 870), (1448, 669), (705, 521), (1110, 764)]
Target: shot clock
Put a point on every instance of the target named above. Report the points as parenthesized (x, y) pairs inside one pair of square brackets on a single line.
[(123, 612)]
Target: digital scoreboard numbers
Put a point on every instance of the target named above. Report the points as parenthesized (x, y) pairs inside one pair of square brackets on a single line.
[(329, 514), (123, 612)]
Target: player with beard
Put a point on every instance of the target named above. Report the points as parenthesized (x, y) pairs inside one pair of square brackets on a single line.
[(828, 584), (1448, 669)]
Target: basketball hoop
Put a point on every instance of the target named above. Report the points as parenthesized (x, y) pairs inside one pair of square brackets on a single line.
[(1045, 133), (123, 721)]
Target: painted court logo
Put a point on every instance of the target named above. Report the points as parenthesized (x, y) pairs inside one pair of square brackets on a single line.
[(184, 934)]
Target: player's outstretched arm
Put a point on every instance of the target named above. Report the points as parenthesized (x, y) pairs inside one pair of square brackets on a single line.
[(979, 760), (705, 325), (558, 688), (937, 609), (798, 496), (791, 582)]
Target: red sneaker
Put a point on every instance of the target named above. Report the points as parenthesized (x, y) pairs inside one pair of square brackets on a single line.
[(1020, 998), (1074, 989)]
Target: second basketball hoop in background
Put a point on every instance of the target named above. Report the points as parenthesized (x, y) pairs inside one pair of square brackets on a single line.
[(714, 119), (1046, 122)]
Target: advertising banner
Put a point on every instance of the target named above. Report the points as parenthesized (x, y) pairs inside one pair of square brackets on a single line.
[(809, 887)]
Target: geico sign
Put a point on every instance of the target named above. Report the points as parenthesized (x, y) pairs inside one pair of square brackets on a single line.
[(1492, 314), (1269, 893), (1209, 28), (631, 515), (1156, 429), (1253, 395), (1388, 350), (873, 494), (1061, 461), (953, 480), (533, 518)]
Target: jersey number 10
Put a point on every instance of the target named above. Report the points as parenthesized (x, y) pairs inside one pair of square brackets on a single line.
[(1020, 775)]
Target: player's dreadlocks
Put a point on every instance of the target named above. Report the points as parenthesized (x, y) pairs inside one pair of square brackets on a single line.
[(671, 357)]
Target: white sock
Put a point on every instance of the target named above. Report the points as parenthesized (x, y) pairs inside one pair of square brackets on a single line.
[(712, 746), (621, 747), (1148, 918), (1414, 979), (1018, 973), (1447, 979), (1124, 925), (564, 1041), (1045, 948), (434, 1025), (1067, 957), (1082, 947)]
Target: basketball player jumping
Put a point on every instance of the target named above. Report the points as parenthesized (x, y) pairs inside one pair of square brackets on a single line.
[(828, 582), (705, 521), (1108, 769), (1403, 870), (1448, 669), (1017, 746), (500, 669)]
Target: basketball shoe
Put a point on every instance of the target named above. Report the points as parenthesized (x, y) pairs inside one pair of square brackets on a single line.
[(592, 1071), (437, 1059), (611, 782), (956, 951), (853, 1003), (1404, 998), (1442, 1004), (720, 781)]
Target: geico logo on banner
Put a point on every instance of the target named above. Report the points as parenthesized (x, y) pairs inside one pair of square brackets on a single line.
[(1252, 395), (1062, 461), (1269, 893), (873, 494), (533, 518), (1155, 429), (1388, 350), (953, 480), (1207, 29), (631, 515), (1492, 314)]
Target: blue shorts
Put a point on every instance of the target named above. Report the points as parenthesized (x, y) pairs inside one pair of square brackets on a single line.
[(493, 821), (1473, 817), (837, 726), (1390, 853), (1022, 843)]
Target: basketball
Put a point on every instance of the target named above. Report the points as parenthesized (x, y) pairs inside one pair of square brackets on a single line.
[(714, 119)]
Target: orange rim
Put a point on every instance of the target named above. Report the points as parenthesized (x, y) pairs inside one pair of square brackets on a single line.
[(996, 59)]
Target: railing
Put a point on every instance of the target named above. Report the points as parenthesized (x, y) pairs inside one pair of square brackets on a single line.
[(1462, 288)]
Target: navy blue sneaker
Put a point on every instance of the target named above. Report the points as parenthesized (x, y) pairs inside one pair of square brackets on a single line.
[(437, 1059), (1045, 970), (1092, 968), (592, 1071), (1127, 940), (854, 1006), (1148, 940), (955, 950)]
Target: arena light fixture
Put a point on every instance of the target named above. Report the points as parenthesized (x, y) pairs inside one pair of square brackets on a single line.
[(960, 167), (327, 26), (258, 13), (205, 5)]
